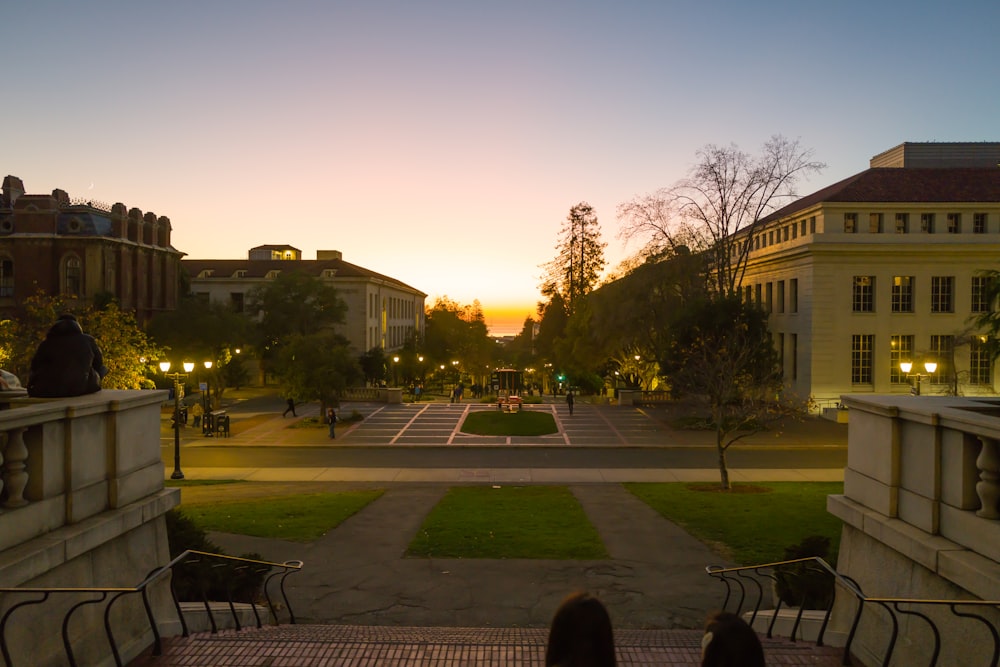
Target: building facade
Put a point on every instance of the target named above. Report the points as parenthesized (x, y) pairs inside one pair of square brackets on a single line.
[(381, 311), (81, 250), (880, 268)]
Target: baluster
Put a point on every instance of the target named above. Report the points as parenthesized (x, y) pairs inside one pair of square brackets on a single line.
[(988, 488), (14, 468)]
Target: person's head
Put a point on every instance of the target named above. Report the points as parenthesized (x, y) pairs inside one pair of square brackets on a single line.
[(730, 642), (581, 634)]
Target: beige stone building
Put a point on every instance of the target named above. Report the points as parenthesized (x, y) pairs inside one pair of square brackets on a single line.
[(883, 267), (381, 311)]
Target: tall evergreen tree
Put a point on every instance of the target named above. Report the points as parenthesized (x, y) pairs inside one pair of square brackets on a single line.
[(579, 259)]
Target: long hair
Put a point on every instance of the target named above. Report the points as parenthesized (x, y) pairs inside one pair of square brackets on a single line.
[(581, 634)]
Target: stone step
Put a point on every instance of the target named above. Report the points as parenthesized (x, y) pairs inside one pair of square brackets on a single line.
[(390, 646)]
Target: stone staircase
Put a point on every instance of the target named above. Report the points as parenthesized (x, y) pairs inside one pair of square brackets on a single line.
[(391, 646)]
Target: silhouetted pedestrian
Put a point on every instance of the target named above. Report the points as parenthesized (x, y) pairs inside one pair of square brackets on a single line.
[(569, 401), (290, 408), (331, 418), (581, 634)]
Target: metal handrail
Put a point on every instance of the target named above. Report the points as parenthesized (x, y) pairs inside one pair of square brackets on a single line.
[(111, 594), (734, 577)]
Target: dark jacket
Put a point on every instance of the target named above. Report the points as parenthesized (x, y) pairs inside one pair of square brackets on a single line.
[(67, 363)]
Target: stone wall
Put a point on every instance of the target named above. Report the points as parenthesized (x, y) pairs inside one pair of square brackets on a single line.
[(920, 494), (83, 504)]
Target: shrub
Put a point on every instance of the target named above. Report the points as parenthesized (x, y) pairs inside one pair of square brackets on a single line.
[(210, 577), (805, 584)]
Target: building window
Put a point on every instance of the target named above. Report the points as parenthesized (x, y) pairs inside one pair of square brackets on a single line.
[(980, 362), (757, 294), (978, 223), (942, 294), (781, 353), (954, 223), (927, 223), (795, 231), (769, 298), (795, 356), (850, 223), (875, 223), (812, 224), (803, 225), (781, 296), (236, 301), (72, 277), (941, 351), (980, 294), (770, 237), (861, 358), (748, 295), (864, 294), (902, 294), (901, 349), (784, 233), (902, 223), (6, 277), (793, 297)]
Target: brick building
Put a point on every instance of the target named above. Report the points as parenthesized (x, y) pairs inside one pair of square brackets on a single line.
[(82, 250)]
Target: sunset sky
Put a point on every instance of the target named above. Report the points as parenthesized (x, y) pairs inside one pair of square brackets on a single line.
[(443, 143)]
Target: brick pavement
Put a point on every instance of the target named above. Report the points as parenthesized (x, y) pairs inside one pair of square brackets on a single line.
[(340, 645)]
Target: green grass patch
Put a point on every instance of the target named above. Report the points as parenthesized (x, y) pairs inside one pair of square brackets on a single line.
[(544, 522), (501, 422), (299, 518), (753, 523)]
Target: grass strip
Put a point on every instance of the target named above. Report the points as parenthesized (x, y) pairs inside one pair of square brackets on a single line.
[(543, 522), (501, 422), (752, 524), (298, 518)]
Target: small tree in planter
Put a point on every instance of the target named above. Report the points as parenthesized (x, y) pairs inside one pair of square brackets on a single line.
[(805, 584)]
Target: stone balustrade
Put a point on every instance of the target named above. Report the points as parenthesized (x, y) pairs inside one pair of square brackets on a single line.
[(921, 512), (81, 504)]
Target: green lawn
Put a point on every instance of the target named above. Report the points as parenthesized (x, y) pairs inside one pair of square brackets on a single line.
[(299, 518), (753, 524), (501, 422), (544, 522)]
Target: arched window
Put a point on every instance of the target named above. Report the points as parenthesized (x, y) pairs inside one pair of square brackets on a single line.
[(72, 277), (6, 277)]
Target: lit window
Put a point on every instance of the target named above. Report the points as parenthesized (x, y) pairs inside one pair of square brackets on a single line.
[(980, 361), (927, 223), (72, 277), (978, 223), (875, 223), (941, 350), (850, 223), (980, 294), (902, 223)]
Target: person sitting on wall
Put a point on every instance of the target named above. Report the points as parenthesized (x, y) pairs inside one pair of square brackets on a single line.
[(67, 363)]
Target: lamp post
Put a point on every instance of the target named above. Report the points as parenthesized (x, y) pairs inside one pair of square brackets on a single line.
[(395, 366), (177, 377), (907, 366), (206, 400)]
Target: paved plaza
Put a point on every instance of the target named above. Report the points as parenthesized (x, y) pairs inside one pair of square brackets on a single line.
[(362, 602)]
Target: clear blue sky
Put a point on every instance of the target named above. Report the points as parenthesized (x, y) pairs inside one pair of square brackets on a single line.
[(443, 143)]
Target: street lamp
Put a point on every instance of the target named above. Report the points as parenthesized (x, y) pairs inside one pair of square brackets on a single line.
[(177, 377), (395, 377), (907, 366), (206, 400)]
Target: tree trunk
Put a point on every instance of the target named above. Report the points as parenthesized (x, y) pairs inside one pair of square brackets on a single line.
[(720, 449)]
